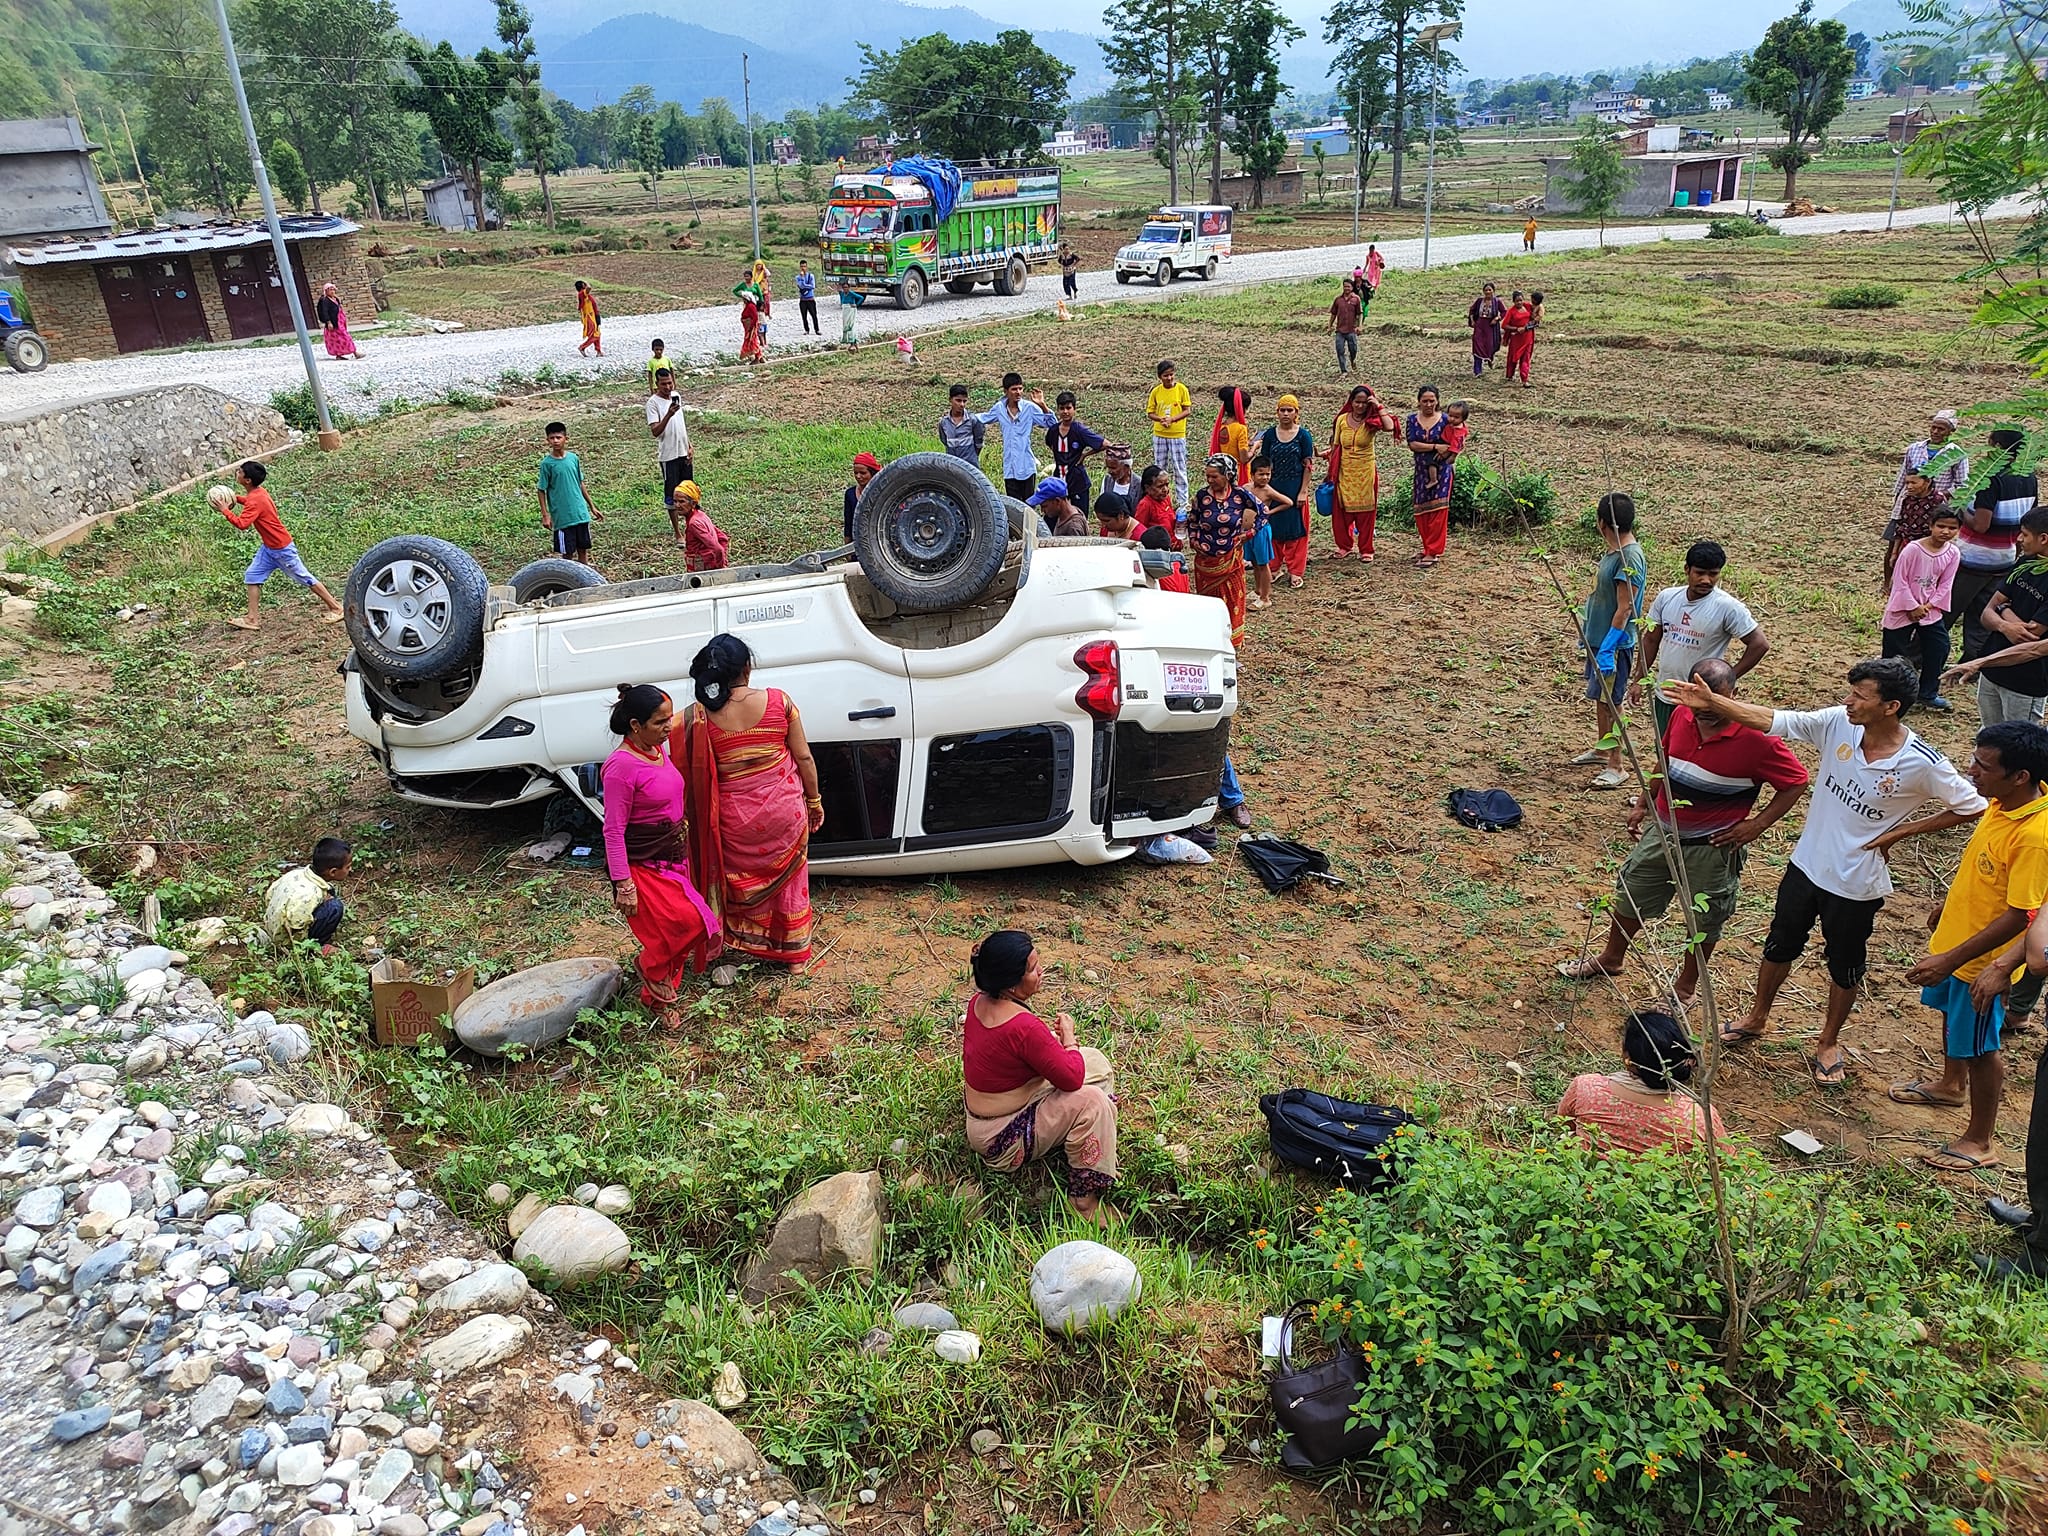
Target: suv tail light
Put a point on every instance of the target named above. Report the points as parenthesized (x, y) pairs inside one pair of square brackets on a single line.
[(1102, 695)]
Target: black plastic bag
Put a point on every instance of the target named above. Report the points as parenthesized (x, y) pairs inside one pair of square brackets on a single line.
[(1282, 864)]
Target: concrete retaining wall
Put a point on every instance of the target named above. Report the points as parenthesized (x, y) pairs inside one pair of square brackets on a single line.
[(65, 469)]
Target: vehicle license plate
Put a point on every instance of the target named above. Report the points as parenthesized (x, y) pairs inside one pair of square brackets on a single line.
[(1186, 677)]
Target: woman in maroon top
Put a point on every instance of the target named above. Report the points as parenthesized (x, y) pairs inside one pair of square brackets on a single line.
[(1029, 1088)]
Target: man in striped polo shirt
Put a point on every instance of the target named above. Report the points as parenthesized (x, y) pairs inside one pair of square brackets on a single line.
[(1989, 541), (1718, 767)]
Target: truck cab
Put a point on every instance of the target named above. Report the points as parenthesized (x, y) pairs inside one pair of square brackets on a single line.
[(1179, 238)]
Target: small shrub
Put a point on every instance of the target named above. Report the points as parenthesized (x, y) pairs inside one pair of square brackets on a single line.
[(1865, 296), (468, 399), (297, 408), (1273, 218), (1541, 1329), (1735, 229)]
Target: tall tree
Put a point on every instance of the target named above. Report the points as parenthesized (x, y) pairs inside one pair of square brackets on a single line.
[(1599, 174), (327, 66), (1258, 29), (532, 122), (647, 154), (1365, 31), (287, 173), (973, 101), (1145, 47), (173, 50), (1207, 33), (460, 98), (1800, 75), (723, 134), (1364, 98)]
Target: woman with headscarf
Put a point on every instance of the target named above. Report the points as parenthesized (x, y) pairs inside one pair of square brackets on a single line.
[(765, 303), (646, 851), (754, 803), (1288, 447), (593, 322), (334, 323), (1030, 1089), (751, 330), (1484, 315), (1353, 473), (865, 467), (1222, 520), (1518, 326), (1232, 435)]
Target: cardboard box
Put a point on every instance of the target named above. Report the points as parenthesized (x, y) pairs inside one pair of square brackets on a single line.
[(405, 1010)]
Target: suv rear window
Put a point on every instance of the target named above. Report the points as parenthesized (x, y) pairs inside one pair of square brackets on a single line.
[(993, 781)]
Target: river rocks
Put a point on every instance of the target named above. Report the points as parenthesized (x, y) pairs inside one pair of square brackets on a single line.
[(301, 1466), (494, 1288), (148, 1058), (317, 1120), (287, 1044), (573, 1245), (483, 1340), (926, 1317), (957, 1345), (612, 1200), (834, 1226), (729, 1388), (40, 1208), (535, 1007), (1081, 1285), (522, 1215), (79, 1423), (146, 957)]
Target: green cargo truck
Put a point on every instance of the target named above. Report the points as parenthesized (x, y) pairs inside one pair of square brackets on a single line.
[(900, 228)]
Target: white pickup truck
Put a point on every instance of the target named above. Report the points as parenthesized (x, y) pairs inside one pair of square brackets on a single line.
[(977, 697), (1190, 237)]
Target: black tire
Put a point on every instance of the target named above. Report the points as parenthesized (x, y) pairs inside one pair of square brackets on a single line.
[(415, 608), (911, 291), (1014, 277), (26, 351), (1122, 276), (960, 285), (1209, 271), (1021, 516), (544, 578), (930, 532), (1162, 274)]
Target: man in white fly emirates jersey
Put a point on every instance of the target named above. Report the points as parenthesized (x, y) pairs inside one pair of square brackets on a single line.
[(1873, 774)]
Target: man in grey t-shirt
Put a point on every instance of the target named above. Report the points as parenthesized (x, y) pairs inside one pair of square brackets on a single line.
[(1692, 624), (959, 433)]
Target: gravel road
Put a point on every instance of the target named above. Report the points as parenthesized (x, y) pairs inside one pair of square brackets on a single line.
[(424, 367)]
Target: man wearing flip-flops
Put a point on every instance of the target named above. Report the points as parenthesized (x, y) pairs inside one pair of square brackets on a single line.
[(1873, 775)]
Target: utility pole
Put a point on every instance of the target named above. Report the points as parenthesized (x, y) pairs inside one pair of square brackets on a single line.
[(329, 438), (1357, 160), (1435, 36), (753, 198)]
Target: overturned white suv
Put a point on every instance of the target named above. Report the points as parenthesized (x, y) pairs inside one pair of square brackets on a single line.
[(977, 697)]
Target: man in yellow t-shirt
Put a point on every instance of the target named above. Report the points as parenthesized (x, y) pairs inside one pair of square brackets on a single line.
[(1168, 407), (1979, 938)]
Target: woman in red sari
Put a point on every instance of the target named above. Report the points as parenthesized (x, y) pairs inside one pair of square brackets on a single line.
[(754, 804), (1518, 326), (750, 322), (1223, 519), (645, 851)]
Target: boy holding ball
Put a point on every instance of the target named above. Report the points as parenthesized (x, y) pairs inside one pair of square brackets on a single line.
[(274, 551)]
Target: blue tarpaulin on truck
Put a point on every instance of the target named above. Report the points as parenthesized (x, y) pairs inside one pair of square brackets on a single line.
[(938, 176)]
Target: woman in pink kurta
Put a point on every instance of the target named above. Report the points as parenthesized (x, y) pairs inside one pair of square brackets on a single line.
[(646, 851), (1645, 1104)]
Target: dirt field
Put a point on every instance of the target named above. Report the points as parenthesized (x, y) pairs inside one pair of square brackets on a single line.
[(1707, 380)]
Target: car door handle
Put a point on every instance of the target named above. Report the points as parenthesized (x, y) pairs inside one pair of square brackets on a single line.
[(885, 712)]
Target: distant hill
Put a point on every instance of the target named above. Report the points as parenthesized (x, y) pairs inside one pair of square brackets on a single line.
[(684, 63)]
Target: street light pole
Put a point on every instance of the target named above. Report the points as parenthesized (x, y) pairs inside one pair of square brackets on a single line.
[(1357, 161), (1898, 158), (747, 104), (1435, 37), (329, 438)]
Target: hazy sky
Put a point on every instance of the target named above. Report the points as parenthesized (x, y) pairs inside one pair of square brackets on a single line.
[(1519, 37)]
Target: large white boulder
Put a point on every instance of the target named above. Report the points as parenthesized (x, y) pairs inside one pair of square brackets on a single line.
[(534, 1007), (573, 1245), (1082, 1285)]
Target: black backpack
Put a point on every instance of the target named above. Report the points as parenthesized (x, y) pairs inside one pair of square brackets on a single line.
[(1351, 1143), (1489, 810)]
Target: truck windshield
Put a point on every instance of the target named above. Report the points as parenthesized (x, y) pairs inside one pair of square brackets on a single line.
[(843, 221), (1160, 234)]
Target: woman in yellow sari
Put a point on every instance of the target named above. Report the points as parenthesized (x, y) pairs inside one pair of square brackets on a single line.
[(586, 311), (754, 803)]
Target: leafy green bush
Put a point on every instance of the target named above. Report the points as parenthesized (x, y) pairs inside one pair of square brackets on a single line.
[(1542, 1329), (1865, 296), (1732, 228), (1480, 499), (297, 408)]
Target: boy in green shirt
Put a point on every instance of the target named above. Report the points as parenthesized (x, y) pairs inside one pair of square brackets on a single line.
[(565, 506)]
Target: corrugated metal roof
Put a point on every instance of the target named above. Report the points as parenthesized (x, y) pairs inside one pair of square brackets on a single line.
[(155, 242)]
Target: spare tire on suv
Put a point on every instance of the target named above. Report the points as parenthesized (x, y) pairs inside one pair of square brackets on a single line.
[(930, 532), (415, 609)]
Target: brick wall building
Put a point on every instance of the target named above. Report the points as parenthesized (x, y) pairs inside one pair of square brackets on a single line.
[(174, 287)]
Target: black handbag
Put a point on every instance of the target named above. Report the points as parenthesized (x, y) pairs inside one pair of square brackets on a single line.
[(1312, 1402), (1351, 1143)]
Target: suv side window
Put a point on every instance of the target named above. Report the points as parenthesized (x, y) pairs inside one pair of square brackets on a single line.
[(857, 781), (1010, 782)]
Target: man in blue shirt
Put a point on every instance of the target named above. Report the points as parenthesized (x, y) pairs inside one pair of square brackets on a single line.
[(1016, 419), (807, 297)]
